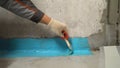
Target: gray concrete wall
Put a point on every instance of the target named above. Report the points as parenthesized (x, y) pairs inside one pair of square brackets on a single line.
[(119, 21), (84, 19), (112, 26)]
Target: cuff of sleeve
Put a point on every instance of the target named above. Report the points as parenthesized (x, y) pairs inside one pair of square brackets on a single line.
[(37, 16)]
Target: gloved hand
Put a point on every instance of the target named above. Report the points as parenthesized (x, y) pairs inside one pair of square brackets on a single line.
[(58, 27)]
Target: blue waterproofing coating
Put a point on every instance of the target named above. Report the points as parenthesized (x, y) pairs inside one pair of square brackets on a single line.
[(29, 47)]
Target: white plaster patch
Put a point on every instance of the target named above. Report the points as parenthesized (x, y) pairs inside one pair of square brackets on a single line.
[(83, 17)]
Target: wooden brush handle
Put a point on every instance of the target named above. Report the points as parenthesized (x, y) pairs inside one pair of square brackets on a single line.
[(66, 36)]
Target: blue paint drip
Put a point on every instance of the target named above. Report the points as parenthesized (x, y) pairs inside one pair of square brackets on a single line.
[(29, 47)]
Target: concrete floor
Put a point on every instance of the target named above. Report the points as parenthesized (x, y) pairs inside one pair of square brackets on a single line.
[(91, 61)]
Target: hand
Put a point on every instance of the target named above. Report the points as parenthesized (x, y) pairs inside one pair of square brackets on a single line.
[(58, 27)]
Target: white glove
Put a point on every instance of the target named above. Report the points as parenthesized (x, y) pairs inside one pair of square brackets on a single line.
[(57, 27)]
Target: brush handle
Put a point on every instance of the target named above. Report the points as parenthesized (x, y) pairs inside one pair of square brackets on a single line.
[(66, 36)]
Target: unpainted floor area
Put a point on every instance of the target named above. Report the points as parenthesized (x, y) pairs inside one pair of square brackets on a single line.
[(91, 61)]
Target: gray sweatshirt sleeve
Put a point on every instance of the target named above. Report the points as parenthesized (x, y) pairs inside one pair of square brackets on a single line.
[(23, 8)]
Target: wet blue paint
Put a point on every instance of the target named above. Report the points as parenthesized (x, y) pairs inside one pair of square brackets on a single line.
[(29, 47)]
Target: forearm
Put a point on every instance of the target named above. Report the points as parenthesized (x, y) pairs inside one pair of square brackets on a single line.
[(25, 9)]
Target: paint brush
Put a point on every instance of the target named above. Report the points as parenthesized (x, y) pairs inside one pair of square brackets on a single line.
[(66, 37)]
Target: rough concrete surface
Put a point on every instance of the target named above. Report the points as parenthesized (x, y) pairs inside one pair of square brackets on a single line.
[(83, 17), (91, 61)]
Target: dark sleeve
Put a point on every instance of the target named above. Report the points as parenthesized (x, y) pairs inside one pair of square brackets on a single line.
[(23, 8)]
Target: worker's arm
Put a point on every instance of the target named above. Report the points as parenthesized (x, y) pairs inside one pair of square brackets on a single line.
[(26, 9)]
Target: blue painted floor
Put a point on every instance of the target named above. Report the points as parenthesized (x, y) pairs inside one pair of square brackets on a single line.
[(29, 47)]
